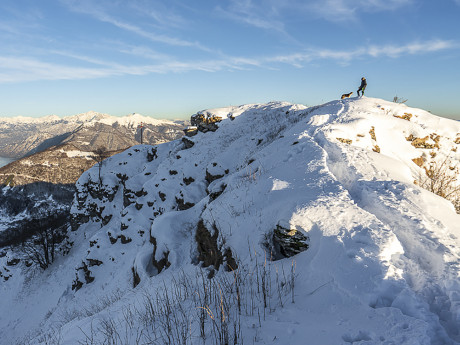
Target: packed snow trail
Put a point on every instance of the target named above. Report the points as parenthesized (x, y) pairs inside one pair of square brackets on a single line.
[(429, 261)]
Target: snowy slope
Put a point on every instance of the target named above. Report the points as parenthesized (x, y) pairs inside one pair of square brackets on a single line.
[(135, 120), (382, 266)]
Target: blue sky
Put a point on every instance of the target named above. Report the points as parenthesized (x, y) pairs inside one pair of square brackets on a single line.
[(169, 59)]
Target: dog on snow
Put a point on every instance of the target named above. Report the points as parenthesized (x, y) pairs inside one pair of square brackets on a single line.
[(346, 95)]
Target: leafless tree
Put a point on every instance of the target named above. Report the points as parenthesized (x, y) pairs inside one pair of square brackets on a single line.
[(100, 154), (42, 247)]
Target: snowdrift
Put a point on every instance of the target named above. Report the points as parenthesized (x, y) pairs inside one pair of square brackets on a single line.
[(304, 223)]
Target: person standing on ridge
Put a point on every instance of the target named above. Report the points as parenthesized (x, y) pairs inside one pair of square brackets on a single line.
[(362, 87)]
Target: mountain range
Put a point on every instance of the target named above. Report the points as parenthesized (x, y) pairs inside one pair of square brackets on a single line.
[(23, 136), (268, 223), (66, 146), (51, 153)]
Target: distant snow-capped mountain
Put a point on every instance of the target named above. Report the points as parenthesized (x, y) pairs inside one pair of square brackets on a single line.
[(50, 137), (23, 136), (268, 223)]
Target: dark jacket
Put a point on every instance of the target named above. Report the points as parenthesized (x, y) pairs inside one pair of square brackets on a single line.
[(363, 84)]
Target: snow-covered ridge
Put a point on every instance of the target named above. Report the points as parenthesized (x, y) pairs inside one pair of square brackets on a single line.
[(86, 117), (383, 258), (91, 116), (135, 120), (25, 119)]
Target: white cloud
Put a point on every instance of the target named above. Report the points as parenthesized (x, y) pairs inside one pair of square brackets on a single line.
[(375, 51), (273, 14), (144, 52), (335, 10), (17, 69), (411, 48), (84, 58), (100, 14), (384, 5), (260, 15), (24, 23), (162, 15), (349, 10)]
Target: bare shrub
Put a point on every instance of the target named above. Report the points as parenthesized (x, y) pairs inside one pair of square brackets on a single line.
[(399, 100), (441, 178), (194, 309), (275, 132)]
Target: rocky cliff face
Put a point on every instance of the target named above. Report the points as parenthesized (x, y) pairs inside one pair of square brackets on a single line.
[(22, 208)]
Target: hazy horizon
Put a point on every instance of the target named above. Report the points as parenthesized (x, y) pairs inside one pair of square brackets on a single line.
[(186, 116)]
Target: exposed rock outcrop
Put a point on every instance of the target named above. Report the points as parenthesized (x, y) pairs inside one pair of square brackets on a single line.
[(211, 253), (205, 122), (286, 242)]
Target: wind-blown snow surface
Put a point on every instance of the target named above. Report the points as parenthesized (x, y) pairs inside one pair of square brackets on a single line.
[(383, 260)]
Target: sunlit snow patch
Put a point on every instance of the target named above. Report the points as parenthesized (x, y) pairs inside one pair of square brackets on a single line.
[(280, 185)]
